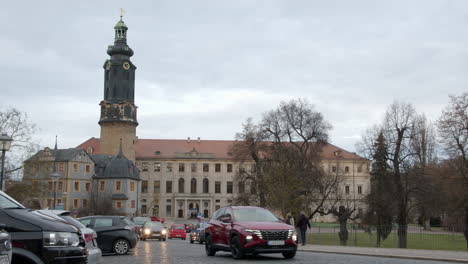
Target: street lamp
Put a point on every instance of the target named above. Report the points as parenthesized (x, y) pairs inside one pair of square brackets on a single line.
[(5, 144), (55, 175)]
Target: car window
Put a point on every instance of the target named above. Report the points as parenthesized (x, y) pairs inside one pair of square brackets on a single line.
[(127, 221), (254, 214), (73, 221), (8, 202), (153, 225), (103, 222), (220, 213), (85, 222), (140, 220), (178, 227)]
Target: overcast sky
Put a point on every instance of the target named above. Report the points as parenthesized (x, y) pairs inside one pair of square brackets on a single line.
[(206, 66)]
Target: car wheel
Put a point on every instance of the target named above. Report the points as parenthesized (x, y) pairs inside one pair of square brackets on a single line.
[(121, 246), (289, 254), (191, 241), (236, 248), (164, 240), (142, 239), (210, 251)]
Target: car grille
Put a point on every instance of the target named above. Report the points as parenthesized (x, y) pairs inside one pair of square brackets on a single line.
[(275, 234)]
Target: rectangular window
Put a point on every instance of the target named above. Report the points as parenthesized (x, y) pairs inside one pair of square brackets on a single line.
[(168, 210), (118, 204), (229, 167), (88, 186), (61, 167), (217, 167), (88, 168), (118, 186), (132, 204), (59, 201), (181, 167), (76, 203), (77, 186), (168, 186), (50, 186), (359, 168), (75, 167), (169, 167), (85, 203), (157, 166), (347, 189), (60, 186), (157, 187), (144, 186), (334, 169), (206, 167), (346, 169), (241, 187), (218, 187), (229, 187), (194, 167), (359, 189), (144, 166), (102, 186), (132, 186), (143, 209)]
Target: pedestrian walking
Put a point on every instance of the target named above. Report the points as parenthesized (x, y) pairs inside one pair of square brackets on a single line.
[(303, 223), (290, 219)]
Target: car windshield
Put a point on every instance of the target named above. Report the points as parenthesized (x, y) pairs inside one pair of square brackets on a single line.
[(140, 220), (153, 225), (254, 214), (178, 227), (7, 202), (73, 221)]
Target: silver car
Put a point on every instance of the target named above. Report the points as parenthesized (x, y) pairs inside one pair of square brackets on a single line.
[(89, 235)]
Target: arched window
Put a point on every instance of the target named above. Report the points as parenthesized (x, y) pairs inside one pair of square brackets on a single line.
[(206, 185), (193, 185), (181, 185)]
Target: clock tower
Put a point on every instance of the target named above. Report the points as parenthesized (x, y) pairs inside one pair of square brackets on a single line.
[(118, 119)]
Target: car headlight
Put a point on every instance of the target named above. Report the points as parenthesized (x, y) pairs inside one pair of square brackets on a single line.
[(293, 235), (255, 232), (147, 231), (163, 232), (60, 239)]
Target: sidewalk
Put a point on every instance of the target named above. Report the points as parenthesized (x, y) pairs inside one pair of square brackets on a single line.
[(436, 255)]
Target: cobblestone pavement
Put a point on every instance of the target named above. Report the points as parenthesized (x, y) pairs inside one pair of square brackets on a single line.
[(181, 251)]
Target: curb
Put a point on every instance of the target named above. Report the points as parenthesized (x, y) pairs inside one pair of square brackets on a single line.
[(385, 256)]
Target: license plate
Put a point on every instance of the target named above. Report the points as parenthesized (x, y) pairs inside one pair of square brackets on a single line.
[(4, 259), (156, 235), (275, 243)]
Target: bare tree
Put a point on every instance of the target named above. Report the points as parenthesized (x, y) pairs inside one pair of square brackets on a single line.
[(453, 130), (16, 125)]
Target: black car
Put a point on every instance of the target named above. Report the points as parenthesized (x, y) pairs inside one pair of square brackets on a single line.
[(115, 233), (198, 233), (5, 246), (37, 238), (153, 230)]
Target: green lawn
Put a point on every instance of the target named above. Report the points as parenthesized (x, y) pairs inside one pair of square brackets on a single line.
[(415, 240)]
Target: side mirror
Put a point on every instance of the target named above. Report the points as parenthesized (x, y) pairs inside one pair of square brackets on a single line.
[(226, 219)]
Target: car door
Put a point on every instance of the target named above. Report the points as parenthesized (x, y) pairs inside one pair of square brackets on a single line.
[(226, 228), (216, 227), (105, 231)]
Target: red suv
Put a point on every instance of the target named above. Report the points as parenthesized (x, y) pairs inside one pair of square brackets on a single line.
[(249, 230)]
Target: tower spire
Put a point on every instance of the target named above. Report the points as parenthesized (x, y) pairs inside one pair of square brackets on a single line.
[(55, 148)]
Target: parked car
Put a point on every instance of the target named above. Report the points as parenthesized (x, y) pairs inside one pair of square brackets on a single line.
[(157, 219), (5, 246), (252, 230), (153, 230), (198, 233), (89, 235), (115, 233), (139, 221), (38, 238), (177, 231)]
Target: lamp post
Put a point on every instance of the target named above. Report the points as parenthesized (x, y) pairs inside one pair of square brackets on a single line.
[(55, 175), (5, 144)]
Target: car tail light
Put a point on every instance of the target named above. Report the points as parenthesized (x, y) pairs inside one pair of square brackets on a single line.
[(88, 237)]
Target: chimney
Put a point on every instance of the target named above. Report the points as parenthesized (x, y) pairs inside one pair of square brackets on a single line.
[(188, 140), (198, 139)]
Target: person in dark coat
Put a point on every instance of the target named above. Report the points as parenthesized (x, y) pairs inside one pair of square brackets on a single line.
[(302, 224)]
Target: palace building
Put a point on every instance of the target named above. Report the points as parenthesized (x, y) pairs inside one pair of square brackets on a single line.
[(160, 177)]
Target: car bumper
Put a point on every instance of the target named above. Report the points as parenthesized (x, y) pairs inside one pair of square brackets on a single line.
[(69, 255), (270, 249), (133, 239), (94, 256)]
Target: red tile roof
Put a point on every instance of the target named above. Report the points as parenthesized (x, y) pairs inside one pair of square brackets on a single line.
[(214, 149)]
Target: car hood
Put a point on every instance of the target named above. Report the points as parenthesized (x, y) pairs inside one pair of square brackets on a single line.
[(265, 225), (44, 222)]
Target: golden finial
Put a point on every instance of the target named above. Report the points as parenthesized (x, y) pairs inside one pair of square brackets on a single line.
[(122, 12)]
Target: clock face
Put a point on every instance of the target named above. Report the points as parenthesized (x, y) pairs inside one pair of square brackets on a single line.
[(126, 48), (126, 65), (108, 65)]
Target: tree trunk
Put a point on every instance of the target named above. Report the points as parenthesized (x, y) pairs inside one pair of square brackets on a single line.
[(402, 234), (466, 226), (343, 234), (378, 237), (427, 224)]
